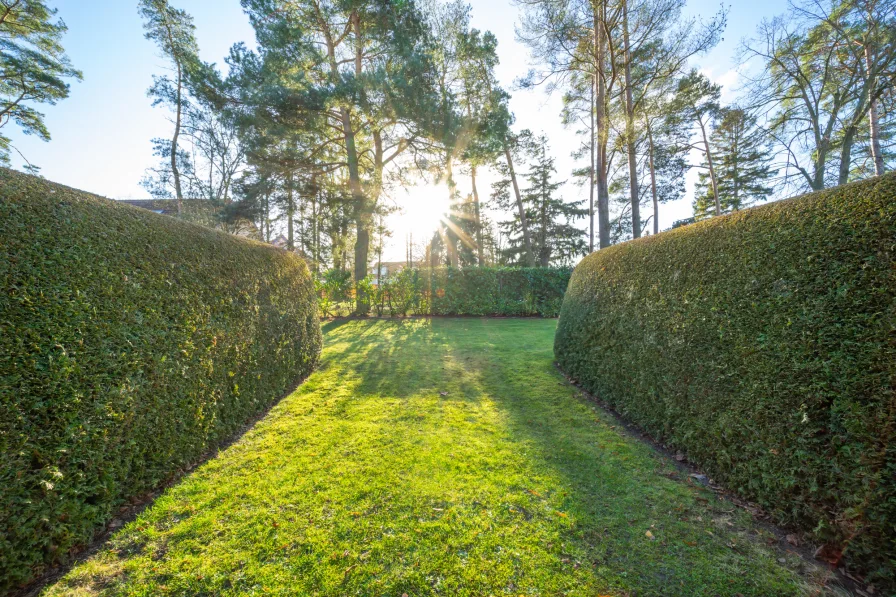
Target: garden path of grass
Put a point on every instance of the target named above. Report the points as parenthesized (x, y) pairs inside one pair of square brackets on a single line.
[(439, 457)]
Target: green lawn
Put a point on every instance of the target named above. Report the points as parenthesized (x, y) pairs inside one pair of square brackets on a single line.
[(442, 457)]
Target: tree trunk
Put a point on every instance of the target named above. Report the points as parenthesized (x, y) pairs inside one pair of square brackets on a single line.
[(544, 251), (849, 136), (524, 224), (315, 228), (290, 212), (177, 118), (712, 171), (630, 129), (601, 124), (266, 224), (379, 263), (653, 193), (480, 259), (361, 210), (450, 237), (591, 175), (734, 171), (874, 121)]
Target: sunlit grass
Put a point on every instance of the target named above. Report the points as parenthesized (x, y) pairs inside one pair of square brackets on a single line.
[(442, 457)]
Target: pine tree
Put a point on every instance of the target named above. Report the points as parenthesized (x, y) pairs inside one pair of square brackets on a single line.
[(555, 239), (742, 165), (173, 31), (33, 67)]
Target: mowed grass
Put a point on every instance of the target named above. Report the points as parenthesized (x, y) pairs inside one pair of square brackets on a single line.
[(439, 457)]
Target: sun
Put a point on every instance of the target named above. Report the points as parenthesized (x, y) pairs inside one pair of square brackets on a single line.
[(423, 207)]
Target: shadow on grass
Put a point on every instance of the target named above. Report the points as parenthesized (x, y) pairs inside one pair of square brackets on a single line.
[(632, 523), (455, 460)]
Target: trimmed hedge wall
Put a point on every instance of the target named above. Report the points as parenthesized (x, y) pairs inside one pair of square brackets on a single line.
[(130, 343), (495, 291), (762, 344)]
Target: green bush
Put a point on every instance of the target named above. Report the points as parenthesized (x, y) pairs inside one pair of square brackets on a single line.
[(445, 291), (494, 291), (130, 344), (762, 344)]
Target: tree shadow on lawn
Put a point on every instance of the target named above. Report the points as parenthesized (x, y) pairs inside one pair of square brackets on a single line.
[(439, 457), (615, 505)]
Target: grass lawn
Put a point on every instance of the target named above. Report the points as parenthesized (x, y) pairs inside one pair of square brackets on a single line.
[(442, 457)]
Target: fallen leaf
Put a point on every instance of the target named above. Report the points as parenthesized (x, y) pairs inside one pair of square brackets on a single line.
[(793, 540), (829, 553)]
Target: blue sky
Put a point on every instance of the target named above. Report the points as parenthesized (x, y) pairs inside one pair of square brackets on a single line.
[(101, 134)]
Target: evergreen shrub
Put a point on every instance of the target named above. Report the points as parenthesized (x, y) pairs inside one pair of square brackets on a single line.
[(130, 344), (763, 345), (494, 291)]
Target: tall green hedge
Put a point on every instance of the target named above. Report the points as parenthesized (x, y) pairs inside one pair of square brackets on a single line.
[(130, 343), (494, 291), (762, 344)]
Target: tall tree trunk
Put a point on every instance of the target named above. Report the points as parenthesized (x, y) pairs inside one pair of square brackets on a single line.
[(653, 193), (290, 212), (591, 174), (712, 170), (266, 224), (544, 251), (630, 128), (480, 259), (379, 263), (524, 223), (601, 124), (734, 171), (873, 120), (361, 208), (450, 236), (177, 118), (315, 227), (849, 136)]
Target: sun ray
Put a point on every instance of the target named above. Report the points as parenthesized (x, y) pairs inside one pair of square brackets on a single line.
[(461, 234)]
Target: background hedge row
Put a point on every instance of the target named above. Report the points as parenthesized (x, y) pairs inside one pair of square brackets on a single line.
[(762, 344), (130, 343), (473, 291), (495, 291)]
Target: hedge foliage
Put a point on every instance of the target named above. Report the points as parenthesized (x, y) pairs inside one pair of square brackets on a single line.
[(130, 343), (472, 291), (762, 344), (494, 291)]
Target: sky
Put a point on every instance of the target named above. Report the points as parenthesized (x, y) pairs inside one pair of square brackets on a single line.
[(101, 134)]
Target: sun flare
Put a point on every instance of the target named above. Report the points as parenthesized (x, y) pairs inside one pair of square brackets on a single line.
[(422, 208)]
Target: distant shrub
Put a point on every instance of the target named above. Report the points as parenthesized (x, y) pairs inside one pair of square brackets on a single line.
[(763, 344), (403, 292), (476, 291), (130, 343), (495, 291)]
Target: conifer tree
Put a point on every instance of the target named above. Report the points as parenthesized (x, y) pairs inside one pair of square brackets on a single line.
[(742, 165), (33, 67), (173, 31), (555, 238)]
